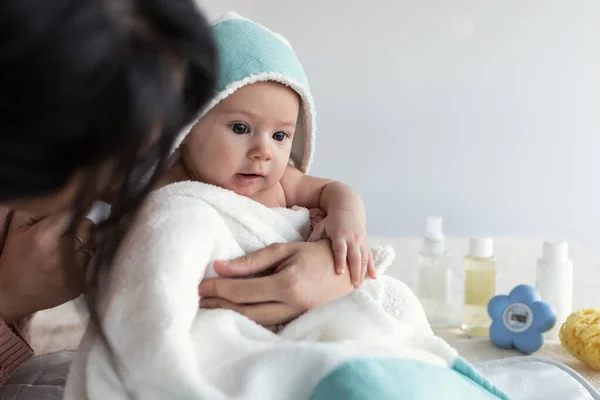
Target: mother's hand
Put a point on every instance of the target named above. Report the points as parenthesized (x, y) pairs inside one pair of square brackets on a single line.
[(33, 272), (303, 278)]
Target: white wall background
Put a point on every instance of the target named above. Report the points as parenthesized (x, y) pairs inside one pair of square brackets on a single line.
[(484, 112)]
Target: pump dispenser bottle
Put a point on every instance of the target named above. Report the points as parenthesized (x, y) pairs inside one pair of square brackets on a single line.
[(480, 286), (554, 282), (434, 277)]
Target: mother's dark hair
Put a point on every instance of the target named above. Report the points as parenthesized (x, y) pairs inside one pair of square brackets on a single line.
[(84, 82)]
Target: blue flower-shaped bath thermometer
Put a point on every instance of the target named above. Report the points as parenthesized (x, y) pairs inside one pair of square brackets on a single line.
[(520, 319)]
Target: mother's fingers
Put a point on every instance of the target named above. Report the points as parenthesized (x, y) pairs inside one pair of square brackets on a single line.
[(83, 243), (55, 225), (265, 314), (84, 232), (83, 256), (243, 291), (20, 219), (258, 262)]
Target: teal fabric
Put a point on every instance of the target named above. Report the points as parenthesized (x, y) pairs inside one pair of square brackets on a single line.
[(247, 49), (402, 379), (250, 53)]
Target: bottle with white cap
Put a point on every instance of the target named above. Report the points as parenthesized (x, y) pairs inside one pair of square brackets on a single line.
[(480, 286), (554, 282), (433, 275)]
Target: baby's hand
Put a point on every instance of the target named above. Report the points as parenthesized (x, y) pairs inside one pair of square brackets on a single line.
[(349, 240)]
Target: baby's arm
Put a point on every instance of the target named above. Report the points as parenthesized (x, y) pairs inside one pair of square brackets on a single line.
[(345, 223)]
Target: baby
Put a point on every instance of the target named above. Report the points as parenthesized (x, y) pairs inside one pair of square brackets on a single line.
[(246, 157), (256, 138)]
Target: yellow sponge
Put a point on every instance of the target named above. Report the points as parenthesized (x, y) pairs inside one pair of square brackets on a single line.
[(580, 335)]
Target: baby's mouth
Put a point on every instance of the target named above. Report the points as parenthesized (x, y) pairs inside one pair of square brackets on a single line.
[(248, 178)]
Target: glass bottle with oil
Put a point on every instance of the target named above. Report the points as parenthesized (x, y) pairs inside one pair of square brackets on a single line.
[(480, 286)]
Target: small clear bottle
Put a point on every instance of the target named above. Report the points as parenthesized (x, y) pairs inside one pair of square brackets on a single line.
[(480, 286), (434, 275)]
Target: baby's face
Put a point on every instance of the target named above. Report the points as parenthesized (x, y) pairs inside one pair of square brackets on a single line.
[(244, 143)]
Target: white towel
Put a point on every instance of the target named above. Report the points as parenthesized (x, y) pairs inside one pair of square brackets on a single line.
[(170, 349)]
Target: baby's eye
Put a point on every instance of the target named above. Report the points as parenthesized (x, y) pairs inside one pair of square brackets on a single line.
[(280, 136), (240, 129)]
